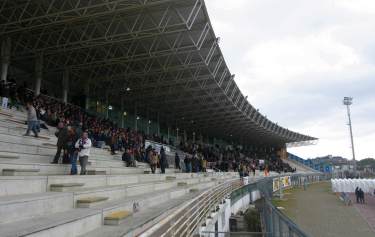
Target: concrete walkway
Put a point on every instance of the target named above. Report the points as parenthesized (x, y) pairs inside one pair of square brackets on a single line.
[(366, 210), (320, 213)]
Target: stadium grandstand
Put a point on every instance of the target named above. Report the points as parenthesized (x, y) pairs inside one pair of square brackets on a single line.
[(146, 81)]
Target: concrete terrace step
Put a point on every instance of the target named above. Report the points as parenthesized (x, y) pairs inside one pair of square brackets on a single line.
[(15, 172), (118, 192), (5, 155), (44, 153), (13, 113), (90, 201), (76, 222), (38, 204), (96, 172), (25, 140), (64, 187), (64, 169), (9, 157), (6, 114), (19, 127), (115, 218), (18, 207), (14, 185), (140, 221)]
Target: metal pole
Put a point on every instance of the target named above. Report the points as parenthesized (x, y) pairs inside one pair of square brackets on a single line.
[(122, 113), (38, 74), (87, 95), (5, 58), (168, 133), (280, 188), (348, 102), (136, 118), (65, 85), (107, 104)]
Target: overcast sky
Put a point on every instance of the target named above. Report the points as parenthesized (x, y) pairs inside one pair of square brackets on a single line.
[(297, 59)]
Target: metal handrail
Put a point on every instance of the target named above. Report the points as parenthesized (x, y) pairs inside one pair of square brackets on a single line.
[(195, 209), (203, 212), (199, 208), (291, 225)]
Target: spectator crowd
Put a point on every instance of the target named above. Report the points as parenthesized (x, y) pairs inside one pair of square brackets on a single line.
[(78, 130)]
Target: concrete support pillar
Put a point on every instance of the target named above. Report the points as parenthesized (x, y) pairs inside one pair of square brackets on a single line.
[(168, 135), (185, 136), (158, 124), (38, 74), (177, 137), (106, 104), (148, 123), (87, 95), (65, 86), (135, 118), (5, 58), (193, 137), (122, 113)]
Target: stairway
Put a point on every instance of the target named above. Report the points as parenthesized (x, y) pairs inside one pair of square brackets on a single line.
[(40, 199)]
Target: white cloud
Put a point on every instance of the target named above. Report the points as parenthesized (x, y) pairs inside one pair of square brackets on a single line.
[(296, 60), (360, 6), (280, 60)]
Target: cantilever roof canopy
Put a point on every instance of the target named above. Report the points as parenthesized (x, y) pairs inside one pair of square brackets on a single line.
[(164, 50)]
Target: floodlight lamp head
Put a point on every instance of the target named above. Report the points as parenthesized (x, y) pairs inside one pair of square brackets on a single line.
[(348, 100)]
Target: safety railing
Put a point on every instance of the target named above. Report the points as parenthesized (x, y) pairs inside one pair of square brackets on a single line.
[(277, 224), (186, 220), (233, 234)]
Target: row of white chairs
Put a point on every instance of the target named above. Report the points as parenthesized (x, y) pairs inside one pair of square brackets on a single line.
[(349, 185)]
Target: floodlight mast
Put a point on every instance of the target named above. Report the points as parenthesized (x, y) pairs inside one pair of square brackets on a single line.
[(347, 102)]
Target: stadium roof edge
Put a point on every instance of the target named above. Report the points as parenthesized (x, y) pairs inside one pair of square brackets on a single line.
[(164, 50)]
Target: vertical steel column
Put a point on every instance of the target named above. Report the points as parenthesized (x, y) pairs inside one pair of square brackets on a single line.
[(158, 124), (106, 104), (38, 73), (135, 117), (65, 86), (177, 138), (122, 112), (168, 136), (87, 95), (5, 58), (148, 123)]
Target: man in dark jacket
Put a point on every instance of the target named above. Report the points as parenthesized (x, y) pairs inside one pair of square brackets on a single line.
[(163, 160), (62, 141), (177, 162)]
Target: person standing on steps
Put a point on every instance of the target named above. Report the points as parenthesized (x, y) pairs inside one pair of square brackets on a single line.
[(163, 160), (62, 141), (32, 120), (153, 160), (83, 145), (177, 162)]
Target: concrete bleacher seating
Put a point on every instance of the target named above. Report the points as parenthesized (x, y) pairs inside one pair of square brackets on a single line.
[(298, 166), (40, 199)]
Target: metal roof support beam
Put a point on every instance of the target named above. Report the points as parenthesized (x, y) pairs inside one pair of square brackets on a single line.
[(5, 57)]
